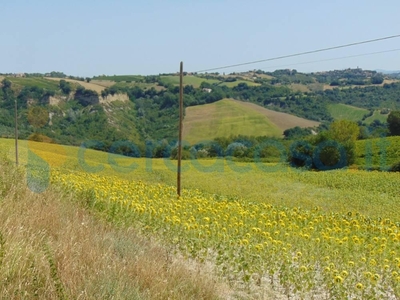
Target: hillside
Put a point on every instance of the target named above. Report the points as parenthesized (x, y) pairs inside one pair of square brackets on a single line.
[(347, 112), (87, 85), (231, 117), (267, 104)]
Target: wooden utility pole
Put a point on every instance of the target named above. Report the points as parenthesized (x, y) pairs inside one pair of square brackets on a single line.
[(16, 132), (180, 130)]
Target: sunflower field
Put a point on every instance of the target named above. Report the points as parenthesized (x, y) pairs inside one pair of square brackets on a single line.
[(302, 253)]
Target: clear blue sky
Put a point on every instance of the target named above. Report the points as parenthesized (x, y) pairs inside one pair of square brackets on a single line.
[(88, 38)]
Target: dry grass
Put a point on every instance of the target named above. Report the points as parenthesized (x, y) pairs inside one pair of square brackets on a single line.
[(86, 85), (297, 87), (105, 83), (53, 248)]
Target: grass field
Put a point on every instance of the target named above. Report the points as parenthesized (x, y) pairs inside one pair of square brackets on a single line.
[(237, 82), (119, 78), (188, 80), (346, 112), (142, 85), (105, 83), (224, 118), (230, 117), (35, 82), (376, 116), (327, 235)]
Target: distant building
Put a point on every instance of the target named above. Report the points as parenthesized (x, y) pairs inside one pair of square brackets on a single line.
[(207, 90), (19, 75)]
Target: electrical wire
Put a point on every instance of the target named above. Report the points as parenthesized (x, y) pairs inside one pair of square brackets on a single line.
[(300, 54), (331, 59)]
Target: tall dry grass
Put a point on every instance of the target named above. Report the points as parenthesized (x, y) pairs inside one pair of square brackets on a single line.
[(52, 248)]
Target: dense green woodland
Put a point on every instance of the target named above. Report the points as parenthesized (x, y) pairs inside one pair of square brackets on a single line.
[(149, 120)]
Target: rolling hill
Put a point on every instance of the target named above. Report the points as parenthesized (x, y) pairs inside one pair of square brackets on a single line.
[(87, 85), (346, 112), (231, 117)]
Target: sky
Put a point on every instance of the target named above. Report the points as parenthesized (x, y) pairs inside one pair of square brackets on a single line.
[(90, 38)]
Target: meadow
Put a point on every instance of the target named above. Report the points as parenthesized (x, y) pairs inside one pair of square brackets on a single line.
[(327, 235), (188, 80), (346, 112), (219, 119), (377, 116), (35, 82), (227, 116)]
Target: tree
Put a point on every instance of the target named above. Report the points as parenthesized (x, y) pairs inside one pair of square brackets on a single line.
[(38, 116), (394, 122), (377, 79), (65, 86), (88, 79), (6, 84), (344, 131)]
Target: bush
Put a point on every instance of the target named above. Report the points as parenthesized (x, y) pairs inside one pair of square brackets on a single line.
[(395, 167)]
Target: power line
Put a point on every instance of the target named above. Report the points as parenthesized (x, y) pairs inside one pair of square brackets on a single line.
[(331, 59), (301, 53)]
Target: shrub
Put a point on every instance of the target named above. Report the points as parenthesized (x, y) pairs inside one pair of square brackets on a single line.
[(395, 167)]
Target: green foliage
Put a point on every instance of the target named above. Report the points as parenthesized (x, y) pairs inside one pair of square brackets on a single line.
[(65, 87), (86, 97), (296, 133), (332, 149), (344, 131), (395, 167), (378, 153), (377, 79), (394, 122), (369, 97)]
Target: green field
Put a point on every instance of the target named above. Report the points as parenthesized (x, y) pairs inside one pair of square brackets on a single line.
[(224, 118), (376, 116), (237, 82), (35, 82), (231, 117), (119, 78), (188, 80), (346, 112)]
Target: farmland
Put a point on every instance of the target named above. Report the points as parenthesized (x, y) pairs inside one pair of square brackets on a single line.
[(35, 82), (188, 80), (225, 118), (86, 85), (257, 223), (377, 116), (229, 117), (346, 112)]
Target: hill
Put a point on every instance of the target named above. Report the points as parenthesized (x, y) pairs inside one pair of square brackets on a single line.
[(270, 102), (347, 112), (231, 117), (87, 85)]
